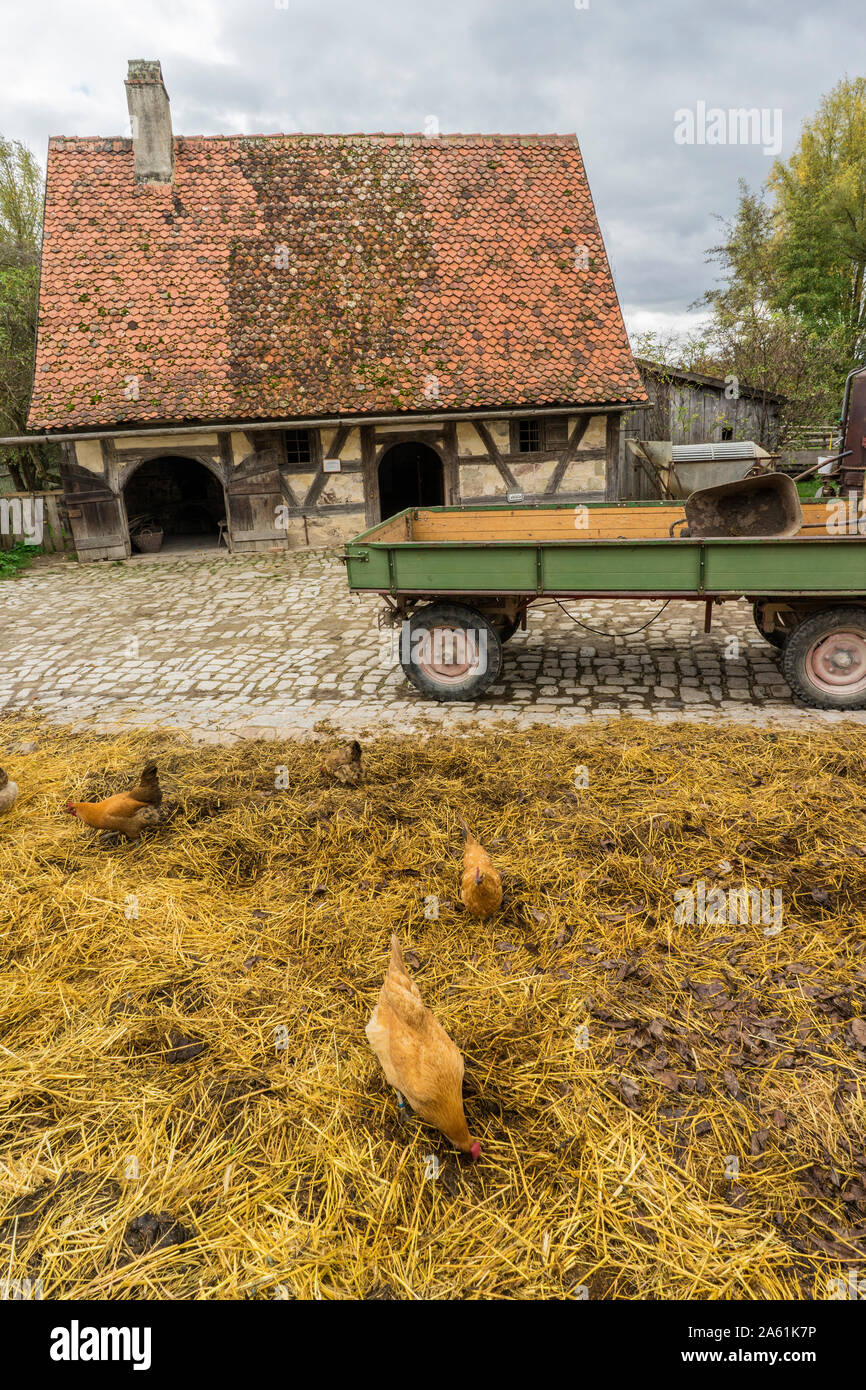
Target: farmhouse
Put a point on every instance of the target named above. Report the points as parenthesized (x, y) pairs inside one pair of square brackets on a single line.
[(279, 339)]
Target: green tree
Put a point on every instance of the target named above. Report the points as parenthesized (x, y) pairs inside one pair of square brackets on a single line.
[(789, 313), (30, 467), (820, 213)]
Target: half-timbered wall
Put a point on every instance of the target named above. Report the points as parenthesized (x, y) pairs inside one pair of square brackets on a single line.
[(273, 501)]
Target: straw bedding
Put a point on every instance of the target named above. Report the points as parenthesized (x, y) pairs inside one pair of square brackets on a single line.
[(188, 1105)]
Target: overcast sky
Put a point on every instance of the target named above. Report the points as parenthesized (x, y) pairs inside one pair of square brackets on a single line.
[(616, 72)]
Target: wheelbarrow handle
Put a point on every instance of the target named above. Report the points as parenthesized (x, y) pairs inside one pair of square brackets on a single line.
[(834, 458)]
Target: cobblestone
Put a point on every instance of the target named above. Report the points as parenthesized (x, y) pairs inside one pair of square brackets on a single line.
[(275, 645)]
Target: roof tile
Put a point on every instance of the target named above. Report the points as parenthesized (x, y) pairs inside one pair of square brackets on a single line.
[(282, 276)]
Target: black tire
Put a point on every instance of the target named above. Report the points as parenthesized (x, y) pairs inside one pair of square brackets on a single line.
[(824, 659), (426, 658), (775, 639)]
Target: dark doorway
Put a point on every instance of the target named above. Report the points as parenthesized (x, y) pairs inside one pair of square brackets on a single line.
[(181, 498), (410, 475)]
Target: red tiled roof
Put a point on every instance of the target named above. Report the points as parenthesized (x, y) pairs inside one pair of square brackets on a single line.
[(287, 276)]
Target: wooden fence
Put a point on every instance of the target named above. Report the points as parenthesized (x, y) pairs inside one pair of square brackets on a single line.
[(56, 532), (819, 437)]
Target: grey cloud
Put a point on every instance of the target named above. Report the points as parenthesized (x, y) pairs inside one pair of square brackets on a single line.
[(615, 73)]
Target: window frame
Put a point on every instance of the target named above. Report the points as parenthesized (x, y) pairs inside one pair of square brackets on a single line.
[(544, 424), (301, 464)]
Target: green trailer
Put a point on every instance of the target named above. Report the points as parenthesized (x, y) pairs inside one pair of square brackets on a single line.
[(459, 581)]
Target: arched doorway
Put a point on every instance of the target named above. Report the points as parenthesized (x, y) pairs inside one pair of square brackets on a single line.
[(181, 497), (410, 475)]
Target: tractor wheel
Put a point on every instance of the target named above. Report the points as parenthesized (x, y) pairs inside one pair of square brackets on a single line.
[(824, 659), (451, 652)]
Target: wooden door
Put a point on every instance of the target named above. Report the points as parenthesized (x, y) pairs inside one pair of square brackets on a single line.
[(97, 515), (254, 492)]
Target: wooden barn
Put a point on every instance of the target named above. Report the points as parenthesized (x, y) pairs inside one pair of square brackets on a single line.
[(279, 339), (692, 408)]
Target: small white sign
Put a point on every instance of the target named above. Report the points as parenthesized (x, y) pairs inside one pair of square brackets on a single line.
[(331, 465), (514, 496)]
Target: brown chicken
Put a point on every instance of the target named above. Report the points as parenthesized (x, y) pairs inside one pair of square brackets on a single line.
[(8, 792), (417, 1055), (344, 764), (480, 884), (128, 813)]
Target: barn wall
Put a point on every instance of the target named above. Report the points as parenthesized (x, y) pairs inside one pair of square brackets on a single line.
[(695, 413)]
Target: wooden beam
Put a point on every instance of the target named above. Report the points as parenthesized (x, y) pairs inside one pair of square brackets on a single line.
[(612, 480), (431, 435), (288, 493), (331, 509), (318, 484), (227, 456), (371, 478), (567, 455), (495, 457), (451, 467)]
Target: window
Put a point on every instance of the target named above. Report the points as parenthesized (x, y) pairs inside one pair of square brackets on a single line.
[(555, 432), (298, 446), (541, 434), (528, 436), (727, 432)]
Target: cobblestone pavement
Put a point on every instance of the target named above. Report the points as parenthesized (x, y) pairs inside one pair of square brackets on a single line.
[(273, 646)]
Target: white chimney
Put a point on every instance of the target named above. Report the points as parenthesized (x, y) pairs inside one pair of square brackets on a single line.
[(150, 117)]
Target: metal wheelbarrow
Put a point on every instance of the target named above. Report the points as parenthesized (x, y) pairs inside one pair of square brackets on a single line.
[(764, 507)]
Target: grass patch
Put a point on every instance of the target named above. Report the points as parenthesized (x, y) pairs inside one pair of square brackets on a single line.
[(13, 561)]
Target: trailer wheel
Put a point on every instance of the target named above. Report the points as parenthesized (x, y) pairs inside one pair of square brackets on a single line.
[(451, 652), (775, 638), (824, 659)]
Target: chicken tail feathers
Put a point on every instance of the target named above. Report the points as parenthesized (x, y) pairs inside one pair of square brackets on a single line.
[(148, 791), (399, 992), (396, 962), (467, 833)]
